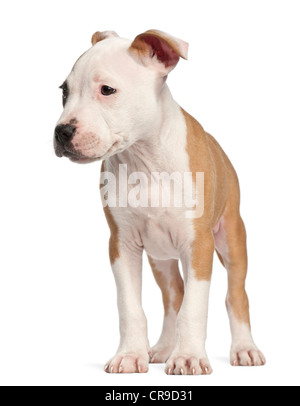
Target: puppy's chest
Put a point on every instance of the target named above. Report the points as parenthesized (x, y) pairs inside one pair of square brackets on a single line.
[(151, 196), (164, 233)]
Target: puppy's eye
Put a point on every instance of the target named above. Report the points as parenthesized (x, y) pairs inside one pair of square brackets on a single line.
[(107, 90), (65, 90)]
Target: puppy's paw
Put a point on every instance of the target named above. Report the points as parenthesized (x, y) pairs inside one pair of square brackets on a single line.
[(128, 363), (188, 365), (247, 356)]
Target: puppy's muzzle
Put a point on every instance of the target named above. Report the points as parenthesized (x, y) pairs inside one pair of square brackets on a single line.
[(64, 133)]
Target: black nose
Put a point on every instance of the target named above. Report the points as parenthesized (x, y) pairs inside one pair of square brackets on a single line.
[(64, 133)]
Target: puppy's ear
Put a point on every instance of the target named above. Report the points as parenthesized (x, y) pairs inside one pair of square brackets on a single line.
[(159, 50), (99, 36)]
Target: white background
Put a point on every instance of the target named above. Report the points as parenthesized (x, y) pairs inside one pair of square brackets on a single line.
[(58, 314)]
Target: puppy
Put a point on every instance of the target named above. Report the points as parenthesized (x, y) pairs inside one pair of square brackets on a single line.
[(167, 188)]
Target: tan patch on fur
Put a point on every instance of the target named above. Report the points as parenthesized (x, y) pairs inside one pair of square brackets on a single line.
[(236, 265), (221, 198), (100, 36), (177, 286), (170, 282), (97, 37), (114, 237), (141, 46), (239, 304), (200, 160), (162, 282), (114, 231)]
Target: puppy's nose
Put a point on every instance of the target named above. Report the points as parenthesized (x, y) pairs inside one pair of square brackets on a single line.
[(64, 133)]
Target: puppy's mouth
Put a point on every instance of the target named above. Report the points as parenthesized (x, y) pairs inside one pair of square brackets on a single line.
[(78, 157), (62, 151), (75, 157)]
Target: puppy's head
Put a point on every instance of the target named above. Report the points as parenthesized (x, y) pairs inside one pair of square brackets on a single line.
[(112, 96)]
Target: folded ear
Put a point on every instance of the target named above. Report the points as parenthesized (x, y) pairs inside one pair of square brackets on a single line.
[(99, 36), (158, 49)]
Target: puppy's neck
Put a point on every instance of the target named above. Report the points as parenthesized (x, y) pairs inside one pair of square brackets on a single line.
[(159, 148)]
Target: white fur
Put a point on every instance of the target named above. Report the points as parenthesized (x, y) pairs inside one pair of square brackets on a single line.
[(243, 349), (132, 354)]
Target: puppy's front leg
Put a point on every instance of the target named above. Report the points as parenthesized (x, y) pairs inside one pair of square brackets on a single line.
[(133, 352), (189, 356)]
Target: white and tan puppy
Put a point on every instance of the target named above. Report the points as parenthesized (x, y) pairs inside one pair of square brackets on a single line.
[(118, 108)]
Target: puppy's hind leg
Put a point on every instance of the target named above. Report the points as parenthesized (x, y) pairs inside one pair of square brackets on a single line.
[(168, 278), (230, 242)]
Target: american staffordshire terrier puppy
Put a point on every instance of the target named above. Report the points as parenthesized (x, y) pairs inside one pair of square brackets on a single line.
[(118, 108)]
